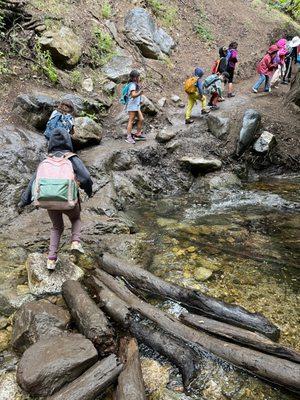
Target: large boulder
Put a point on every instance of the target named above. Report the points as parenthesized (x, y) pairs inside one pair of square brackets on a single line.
[(148, 107), (218, 126), (64, 46), (118, 68), (44, 282), (52, 362), (141, 29), (87, 132), (251, 123), (265, 142), (36, 319)]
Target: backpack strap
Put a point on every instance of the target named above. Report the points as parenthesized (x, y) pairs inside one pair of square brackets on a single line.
[(69, 155), (211, 83)]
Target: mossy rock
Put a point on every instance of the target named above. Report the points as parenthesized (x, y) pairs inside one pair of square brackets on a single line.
[(202, 274)]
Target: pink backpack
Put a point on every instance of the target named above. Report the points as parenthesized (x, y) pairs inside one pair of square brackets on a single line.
[(55, 186)]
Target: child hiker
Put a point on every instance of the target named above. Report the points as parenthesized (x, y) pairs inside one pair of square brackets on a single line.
[(133, 107), (62, 117), (55, 187), (194, 90), (220, 65), (212, 86), (266, 68), (232, 59)]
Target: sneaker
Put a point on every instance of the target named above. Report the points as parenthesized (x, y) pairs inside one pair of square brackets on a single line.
[(76, 247), (130, 140), (267, 90), (230, 95), (284, 82), (221, 99), (140, 137), (189, 121), (205, 112), (213, 108), (51, 264), (254, 90)]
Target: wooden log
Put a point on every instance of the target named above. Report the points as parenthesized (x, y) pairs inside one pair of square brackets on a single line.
[(176, 351), (130, 381), (278, 371), (93, 382), (90, 321), (239, 335), (200, 303)]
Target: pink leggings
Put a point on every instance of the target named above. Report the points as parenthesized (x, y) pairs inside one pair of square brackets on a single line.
[(58, 228)]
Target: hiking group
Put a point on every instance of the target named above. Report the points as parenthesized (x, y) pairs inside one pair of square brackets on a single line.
[(55, 185)]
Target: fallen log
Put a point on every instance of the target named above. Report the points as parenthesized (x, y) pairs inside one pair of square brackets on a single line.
[(239, 335), (90, 321), (130, 381), (93, 382), (214, 308), (278, 371), (176, 351)]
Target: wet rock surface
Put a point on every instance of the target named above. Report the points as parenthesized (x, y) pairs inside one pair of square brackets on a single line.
[(50, 363), (265, 142), (251, 123), (141, 29), (42, 281), (35, 320)]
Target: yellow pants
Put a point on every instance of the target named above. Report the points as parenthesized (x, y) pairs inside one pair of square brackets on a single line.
[(192, 100)]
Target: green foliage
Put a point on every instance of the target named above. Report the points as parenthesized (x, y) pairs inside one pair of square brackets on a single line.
[(102, 49), (3, 64), (106, 10), (202, 29), (76, 77), (53, 7), (2, 25), (166, 13), (290, 7), (45, 63), (92, 116)]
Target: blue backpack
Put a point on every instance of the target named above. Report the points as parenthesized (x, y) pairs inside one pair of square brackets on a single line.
[(124, 95), (64, 121)]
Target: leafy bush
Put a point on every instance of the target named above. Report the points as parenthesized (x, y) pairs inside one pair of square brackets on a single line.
[(201, 28), (164, 12), (102, 49), (45, 63), (106, 10), (290, 7), (76, 77)]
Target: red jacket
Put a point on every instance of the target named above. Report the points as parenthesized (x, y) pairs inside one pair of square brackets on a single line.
[(267, 66)]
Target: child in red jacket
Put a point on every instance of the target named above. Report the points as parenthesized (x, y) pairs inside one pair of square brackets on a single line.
[(266, 68)]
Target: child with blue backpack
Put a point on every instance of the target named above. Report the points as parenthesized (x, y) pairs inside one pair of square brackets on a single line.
[(61, 118), (131, 98)]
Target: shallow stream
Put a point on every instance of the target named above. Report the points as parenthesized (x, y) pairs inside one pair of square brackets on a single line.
[(240, 245)]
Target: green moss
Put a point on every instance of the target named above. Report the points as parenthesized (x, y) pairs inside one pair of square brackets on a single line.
[(106, 10)]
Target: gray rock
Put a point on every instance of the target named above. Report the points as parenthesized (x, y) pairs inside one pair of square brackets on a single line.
[(118, 68), (126, 191), (110, 87), (9, 389), (223, 180), (141, 29), (35, 320), (88, 105), (103, 202), (148, 107), (175, 98), (201, 164), (88, 85), (51, 363), (41, 281), (165, 135), (218, 126), (11, 300), (265, 142), (251, 122), (161, 102), (121, 161), (64, 46), (86, 132)]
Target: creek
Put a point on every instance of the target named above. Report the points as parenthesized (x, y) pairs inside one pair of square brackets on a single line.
[(240, 245)]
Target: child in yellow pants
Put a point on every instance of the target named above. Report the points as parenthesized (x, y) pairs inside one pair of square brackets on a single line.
[(195, 96)]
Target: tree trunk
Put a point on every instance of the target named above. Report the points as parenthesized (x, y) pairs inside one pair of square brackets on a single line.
[(279, 371), (130, 381), (239, 335), (91, 383), (175, 350), (217, 309), (90, 321)]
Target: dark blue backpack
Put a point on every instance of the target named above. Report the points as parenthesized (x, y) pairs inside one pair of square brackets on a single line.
[(64, 121)]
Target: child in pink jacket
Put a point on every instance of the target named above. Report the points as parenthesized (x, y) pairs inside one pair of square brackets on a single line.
[(266, 68)]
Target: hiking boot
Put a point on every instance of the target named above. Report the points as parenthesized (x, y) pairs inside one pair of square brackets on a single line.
[(140, 137), (205, 112), (189, 121), (51, 264), (230, 95), (130, 140), (254, 90), (76, 247)]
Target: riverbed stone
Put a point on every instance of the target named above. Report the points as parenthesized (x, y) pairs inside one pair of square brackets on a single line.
[(251, 123), (64, 46), (118, 68), (202, 274), (5, 337), (142, 30), (10, 300), (265, 142), (155, 375), (35, 320), (44, 282), (165, 135), (218, 126), (201, 163), (53, 362), (87, 132), (223, 180), (9, 389)]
